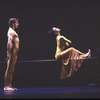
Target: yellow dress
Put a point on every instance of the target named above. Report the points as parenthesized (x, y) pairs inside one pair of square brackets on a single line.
[(71, 58)]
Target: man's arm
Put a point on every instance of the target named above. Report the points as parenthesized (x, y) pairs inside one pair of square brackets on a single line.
[(9, 45)]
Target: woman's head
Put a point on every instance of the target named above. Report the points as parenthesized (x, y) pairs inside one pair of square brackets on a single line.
[(54, 30)]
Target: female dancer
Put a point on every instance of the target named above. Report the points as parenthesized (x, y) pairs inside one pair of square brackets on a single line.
[(71, 58)]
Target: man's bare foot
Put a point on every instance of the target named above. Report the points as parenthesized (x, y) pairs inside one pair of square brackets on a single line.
[(9, 88)]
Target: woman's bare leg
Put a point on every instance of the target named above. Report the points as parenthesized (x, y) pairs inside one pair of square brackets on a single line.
[(65, 52)]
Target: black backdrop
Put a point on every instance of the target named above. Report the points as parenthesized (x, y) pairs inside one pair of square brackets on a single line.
[(79, 21)]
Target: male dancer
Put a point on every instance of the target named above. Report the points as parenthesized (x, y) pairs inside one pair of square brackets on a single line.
[(12, 51)]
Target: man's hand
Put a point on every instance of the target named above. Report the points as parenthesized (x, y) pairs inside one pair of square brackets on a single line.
[(7, 57)]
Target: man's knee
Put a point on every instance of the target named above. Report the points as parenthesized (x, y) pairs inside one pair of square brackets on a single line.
[(15, 52)]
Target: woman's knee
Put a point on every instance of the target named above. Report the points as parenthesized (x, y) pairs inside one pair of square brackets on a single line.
[(72, 48)]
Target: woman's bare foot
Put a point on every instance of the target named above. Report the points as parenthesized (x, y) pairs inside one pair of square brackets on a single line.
[(88, 54)]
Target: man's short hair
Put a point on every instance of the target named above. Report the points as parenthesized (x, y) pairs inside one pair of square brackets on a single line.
[(11, 21)]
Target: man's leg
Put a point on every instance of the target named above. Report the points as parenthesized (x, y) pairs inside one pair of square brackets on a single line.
[(9, 71)]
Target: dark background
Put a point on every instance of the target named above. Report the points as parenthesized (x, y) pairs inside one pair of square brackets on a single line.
[(79, 21)]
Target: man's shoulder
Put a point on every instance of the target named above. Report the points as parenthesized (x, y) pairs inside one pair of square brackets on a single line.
[(11, 32)]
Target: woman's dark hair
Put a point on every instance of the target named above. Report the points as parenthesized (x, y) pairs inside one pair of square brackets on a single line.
[(51, 34), (11, 21), (51, 31)]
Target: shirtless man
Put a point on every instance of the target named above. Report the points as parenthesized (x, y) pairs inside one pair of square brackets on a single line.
[(12, 51)]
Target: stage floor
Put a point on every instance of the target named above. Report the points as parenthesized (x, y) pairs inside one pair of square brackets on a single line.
[(52, 92)]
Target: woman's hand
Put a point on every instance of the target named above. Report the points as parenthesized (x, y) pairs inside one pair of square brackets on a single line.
[(67, 44)]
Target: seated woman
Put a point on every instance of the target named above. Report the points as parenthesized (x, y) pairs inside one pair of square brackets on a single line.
[(71, 58)]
